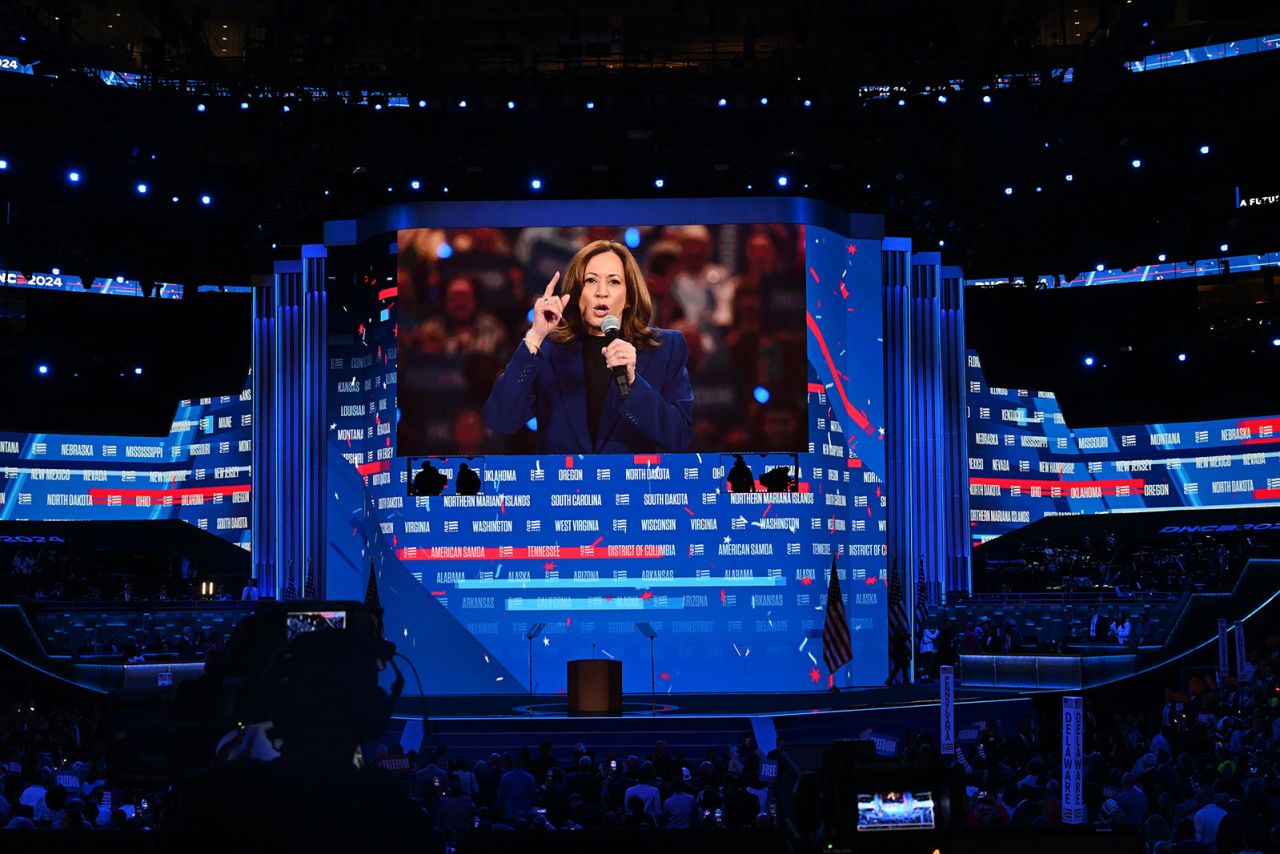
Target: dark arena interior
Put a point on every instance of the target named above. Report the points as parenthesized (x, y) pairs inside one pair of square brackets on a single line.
[(809, 427)]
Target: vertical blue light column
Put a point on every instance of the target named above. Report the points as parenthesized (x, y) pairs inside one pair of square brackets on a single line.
[(290, 348), (929, 501), (262, 387), (315, 432), (895, 266), (926, 453), (957, 545)]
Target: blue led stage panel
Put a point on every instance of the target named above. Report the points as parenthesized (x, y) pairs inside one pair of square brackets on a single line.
[(198, 473), (733, 584), (1025, 461)]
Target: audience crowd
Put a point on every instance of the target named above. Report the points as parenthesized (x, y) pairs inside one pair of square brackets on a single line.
[(1125, 566), (1195, 772)]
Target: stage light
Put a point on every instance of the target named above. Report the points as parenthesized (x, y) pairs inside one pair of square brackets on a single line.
[(1161, 257), (591, 105), (244, 105), (1182, 357), (1008, 191), (200, 108), (422, 104), (764, 102), (137, 372), (902, 102), (57, 271), (722, 103), (4, 164), (377, 108), (415, 184), (782, 180), (1135, 163), (444, 250), (1088, 361), (206, 199), (142, 189), (1100, 268), (119, 280), (173, 199), (462, 105), (536, 184), (445, 189), (1204, 149), (986, 99), (1223, 248), (1275, 342), (808, 103), (1069, 177), (511, 105), (529, 316), (273, 246), (659, 183), (942, 99), (761, 394), (42, 369), (631, 237), (1039, 189), (73, 176), (285, 108)]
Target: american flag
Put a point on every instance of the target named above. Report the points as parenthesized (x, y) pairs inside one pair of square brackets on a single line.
[(837, 645), (922, 603), (898, 625)]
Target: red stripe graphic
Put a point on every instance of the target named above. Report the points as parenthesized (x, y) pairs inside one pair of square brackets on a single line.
[(522, 553), (802, 486), (388, 293), (1266, 494), (857, 415), (105, 495), (646, 459), (375, 467), (1135, 484), (817, 388)]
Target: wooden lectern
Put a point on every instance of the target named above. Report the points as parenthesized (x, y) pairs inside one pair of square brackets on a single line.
[(595, 687)]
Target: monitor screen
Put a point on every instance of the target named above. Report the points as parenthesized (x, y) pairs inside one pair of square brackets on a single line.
[(896, 811)]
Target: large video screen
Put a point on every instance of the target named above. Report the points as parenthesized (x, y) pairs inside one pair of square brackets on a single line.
[(502, 346), (733, 583), (1026, 462)]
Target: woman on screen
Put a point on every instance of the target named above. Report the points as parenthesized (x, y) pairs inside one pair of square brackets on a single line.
[(563, 372)]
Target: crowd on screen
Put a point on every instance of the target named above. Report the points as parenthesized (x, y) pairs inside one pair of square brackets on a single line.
[(735, 292)]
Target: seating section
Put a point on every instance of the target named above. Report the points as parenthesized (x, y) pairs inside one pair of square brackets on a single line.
[(155, 631), (1067, 621)]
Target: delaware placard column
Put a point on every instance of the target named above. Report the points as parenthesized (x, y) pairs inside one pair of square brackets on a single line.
[(289, 404)]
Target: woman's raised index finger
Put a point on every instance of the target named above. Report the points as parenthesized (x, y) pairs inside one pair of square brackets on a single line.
[(551, 285)]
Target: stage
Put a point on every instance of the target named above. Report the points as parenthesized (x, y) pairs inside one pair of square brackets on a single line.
[(474, 726)]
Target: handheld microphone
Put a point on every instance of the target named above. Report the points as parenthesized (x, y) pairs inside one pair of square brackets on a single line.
[(611, 327)]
